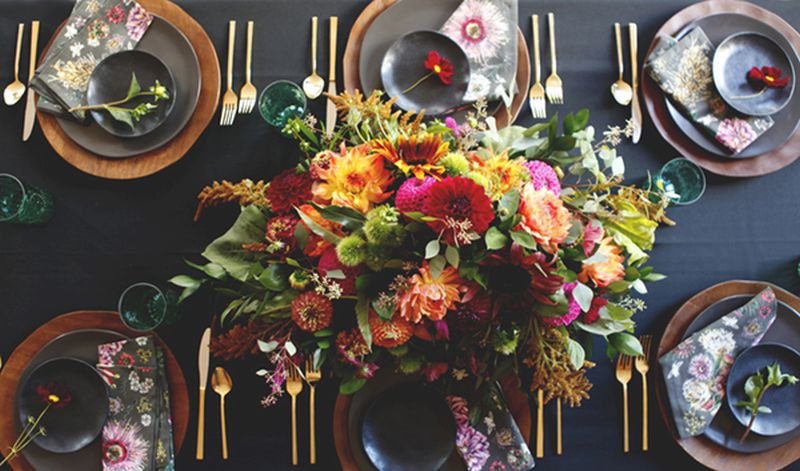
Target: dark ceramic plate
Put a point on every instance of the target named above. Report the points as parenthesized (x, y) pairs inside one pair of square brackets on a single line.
[(403, 66), (725, 430), (717, 28), (79, 422), (784, 401), (734, 58), (111, 80), (165, 41)]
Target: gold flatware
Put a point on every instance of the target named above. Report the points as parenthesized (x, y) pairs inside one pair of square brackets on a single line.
[(624, 373), (558, 426), (536, 95), (643, 366), (314, 85), (636, 109), (222, 384), (540, 424), (229, 100), (247, 95), (621, 90), (202, 366), (16, 89), (30, 100), (312, 376), (294, 385), (330, 112), (553, 86)]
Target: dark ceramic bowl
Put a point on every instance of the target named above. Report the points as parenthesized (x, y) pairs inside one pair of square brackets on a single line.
[(403, 65), (111, 80), (76, 424), (784, 400), (734, 58)]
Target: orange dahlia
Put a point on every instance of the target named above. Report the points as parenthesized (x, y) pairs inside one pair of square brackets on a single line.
[(544, 217), (428, 296), (606, 272), (312, 311), (316, 245), (502, 174), (389, 334), (417, 154), (355, 178)]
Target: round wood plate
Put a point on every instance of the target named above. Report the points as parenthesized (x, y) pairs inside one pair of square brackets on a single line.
[(701, 448), (158, 159), (107, 320), (352, 58), (656, 106), (517, 402)]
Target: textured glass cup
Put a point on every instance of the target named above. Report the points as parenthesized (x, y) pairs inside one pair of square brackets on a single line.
[(681, 181), (281, 101), (144, 306), (21, 203)]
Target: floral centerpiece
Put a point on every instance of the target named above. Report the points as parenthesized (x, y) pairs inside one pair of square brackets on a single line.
[(454, 251)]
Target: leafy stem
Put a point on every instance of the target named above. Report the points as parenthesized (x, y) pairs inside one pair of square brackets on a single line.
[(130, 115), (755, 387)]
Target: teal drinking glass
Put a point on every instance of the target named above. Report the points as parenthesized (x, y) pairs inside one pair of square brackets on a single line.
[(21, 203), (281, 101), (681, 181), (144, 306)]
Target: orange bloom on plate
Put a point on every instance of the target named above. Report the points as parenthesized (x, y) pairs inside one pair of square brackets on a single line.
[(544, 217), (355, 178), (415, 155), (430, 297), (606, 272)]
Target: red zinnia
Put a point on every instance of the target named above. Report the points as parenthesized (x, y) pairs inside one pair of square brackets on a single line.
[(312, 311), (287, 190), (440, 66), (771, 77), (461, 207), (593, 314), (389, 334), (54, 394)]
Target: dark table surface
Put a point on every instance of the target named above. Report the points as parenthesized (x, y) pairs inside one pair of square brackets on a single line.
[(106, 235)]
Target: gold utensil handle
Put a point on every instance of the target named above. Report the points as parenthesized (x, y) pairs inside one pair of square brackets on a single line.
[(201, 420), (333, 48), (620, 61), (20, 34), (625, 439), (634, 40), (558, 426), (551, 27), (249, 69), (540, 424), (294, 430), (314, 29), (536, 53), (231, 41), (34, 48), (224, 427), (645, 434), (312, 426)]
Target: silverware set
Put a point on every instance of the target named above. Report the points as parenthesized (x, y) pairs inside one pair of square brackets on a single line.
[(624, 374), (15, 90), (233, 104), (624, 93), (294, 386), (222, 384), (553, 88)]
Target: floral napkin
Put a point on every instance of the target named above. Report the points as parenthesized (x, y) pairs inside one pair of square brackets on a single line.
[(683, 71), (696, 371), (487, 31), (138, 433), (94, 30), (491, 441)]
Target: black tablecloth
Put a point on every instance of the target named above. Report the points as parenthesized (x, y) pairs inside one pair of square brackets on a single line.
[(107, 235)]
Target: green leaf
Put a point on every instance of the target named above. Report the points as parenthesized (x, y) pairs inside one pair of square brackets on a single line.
[(582, 119), (227, 250), (432, 249), (564, 143), (351, 386), (211, 269), (317, 229), (267, 347), (576, 354), (753, 387), (324, 344), (495, 239), (323, 333), (437, 265), (350, 219), (185, 281), (274, 278), (134, 88), (452, 256), (236, 303), (336, 274), (362, 318), (583, 295), (617, 312), (121, 115), (524, 239), (764, 410), (509, 204), (626, 343)]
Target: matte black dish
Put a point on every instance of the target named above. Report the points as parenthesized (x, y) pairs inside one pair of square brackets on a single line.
[(79, 422), (409, 427), (784, 401), (403, 65), (110, 81), (734, 58)]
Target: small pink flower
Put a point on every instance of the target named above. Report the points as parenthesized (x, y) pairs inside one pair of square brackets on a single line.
[(592, 234), (735, 134), (543, 176), (700, 366), (573, 309)]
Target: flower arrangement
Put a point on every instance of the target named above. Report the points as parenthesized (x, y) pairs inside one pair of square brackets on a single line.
[(52, 395), (454, 251)]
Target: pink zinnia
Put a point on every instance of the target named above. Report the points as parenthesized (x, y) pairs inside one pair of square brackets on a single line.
[(543, 176), (329, 261), (573, 309), (412, 194)]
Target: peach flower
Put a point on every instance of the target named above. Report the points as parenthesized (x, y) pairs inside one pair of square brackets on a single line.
[(606, 272), (430, 297), (354, 178), (544, 217)]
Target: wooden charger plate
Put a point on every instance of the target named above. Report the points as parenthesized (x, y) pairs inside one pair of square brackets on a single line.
[(156, 160), (80, 320), (352, 58), (700, 448), (654, 98)]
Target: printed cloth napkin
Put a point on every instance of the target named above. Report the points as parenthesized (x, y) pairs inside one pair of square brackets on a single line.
[(696, 371), (94, 30), (683, 70), (138, 433), (487, 31), (491, 441)]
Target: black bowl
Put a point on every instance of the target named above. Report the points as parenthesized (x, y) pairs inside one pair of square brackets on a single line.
[(111, 81), (403, 65), (76, 424), (784, 401)]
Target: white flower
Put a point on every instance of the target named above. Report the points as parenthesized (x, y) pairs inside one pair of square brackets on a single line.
[(479, 86), (71, 31), (718, 342), (94, 42), (675, 370), (489, 421), (147, 419), (76, 49), (731, 322), (696, 393), (141, 341)]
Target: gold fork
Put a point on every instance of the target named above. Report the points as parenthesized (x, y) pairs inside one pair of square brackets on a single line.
[(540, 423), (624, 373), (312, 376), (247, 95), (643, 366), (294, 385), (553, 86), (229, 100), (536, 95)]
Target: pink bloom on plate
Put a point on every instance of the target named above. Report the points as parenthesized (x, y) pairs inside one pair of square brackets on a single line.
[(735, 134), (480, 28), (124, 448)]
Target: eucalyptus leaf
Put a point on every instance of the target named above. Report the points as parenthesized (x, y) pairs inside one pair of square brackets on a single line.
[(362, 319), (495, 239), (432, 249), (626, 343), (452, 256), (524, 239), (577, 355)]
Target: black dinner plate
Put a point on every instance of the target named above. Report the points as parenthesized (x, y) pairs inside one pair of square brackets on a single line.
[(725, 430), (167, 42), (74, 423), (784, 401), (718, 27)]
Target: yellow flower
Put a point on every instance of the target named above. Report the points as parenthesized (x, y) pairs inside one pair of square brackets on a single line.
[(502, 174), (544, 217), (418, 154), (355, 178), (428, 296), (605, 272)]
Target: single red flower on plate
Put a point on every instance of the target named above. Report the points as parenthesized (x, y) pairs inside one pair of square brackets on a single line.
[(771, 77), (54, 394), (440, 66)]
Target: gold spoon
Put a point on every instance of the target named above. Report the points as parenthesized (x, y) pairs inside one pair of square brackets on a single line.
[(313, 85), (14, 91), (620, 90), (222, 384)]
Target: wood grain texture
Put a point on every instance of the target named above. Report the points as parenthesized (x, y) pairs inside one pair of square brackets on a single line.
[(700, 448), (79, 320), (158, 159), (657, 109), (352, 58)]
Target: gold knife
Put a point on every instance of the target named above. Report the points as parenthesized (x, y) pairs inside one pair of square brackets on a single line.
[(636, 110), (30, 101), (202, 364), (330, 115)]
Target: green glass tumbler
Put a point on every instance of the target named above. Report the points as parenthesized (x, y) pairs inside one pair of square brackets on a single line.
[(681, 181), (21, 203), (281, 101), (144, 306)]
